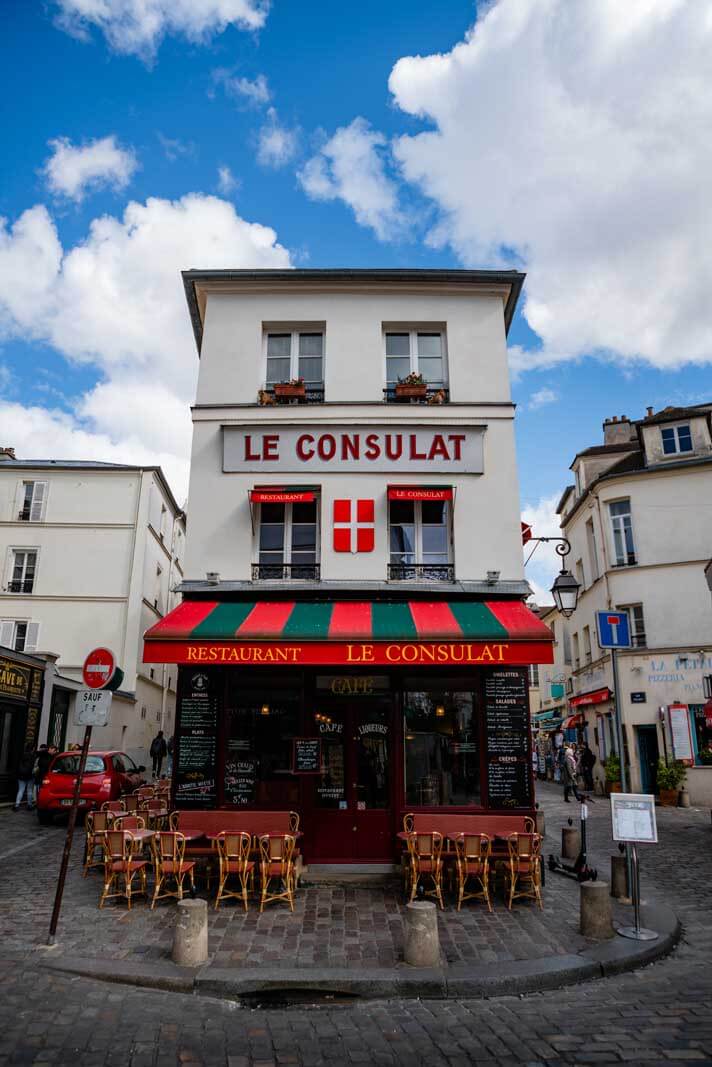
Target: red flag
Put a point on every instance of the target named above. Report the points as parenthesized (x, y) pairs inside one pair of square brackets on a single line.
[(354, 527)]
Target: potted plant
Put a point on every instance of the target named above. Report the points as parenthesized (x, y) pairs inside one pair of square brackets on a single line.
[(293, 388), (670, 778), (706, 755), (413, 385), (613, 774)]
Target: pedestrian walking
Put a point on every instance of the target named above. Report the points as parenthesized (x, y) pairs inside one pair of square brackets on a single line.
[(568, 773), (588, 762), (158, 753), (26, 780), (45, 755)]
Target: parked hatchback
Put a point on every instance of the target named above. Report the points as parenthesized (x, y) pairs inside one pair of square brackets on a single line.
[(107, 776)]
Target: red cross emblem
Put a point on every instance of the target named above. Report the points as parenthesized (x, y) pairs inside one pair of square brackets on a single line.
[(354, 526)]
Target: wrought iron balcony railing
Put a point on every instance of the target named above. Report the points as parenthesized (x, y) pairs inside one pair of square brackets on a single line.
[(421, 572), (20, 585), (313, 394), (434, 394), (277, 572)]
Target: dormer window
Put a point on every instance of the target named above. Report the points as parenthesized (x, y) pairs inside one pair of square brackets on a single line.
[(676, 439)]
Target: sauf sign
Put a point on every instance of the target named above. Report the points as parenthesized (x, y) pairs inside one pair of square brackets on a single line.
[(448, 449)]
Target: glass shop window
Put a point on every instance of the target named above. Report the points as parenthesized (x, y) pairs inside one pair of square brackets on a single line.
[(702, 729), (441, 732), (261, 727)]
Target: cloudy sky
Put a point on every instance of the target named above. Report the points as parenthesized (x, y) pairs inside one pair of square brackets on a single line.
[(571, 140)]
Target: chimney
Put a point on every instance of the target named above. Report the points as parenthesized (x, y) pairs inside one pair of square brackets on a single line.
[(648, 412), (617, 431), (7, 453)]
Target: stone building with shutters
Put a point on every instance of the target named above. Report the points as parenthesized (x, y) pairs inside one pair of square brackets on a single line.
[(353, 640), (89, 552)]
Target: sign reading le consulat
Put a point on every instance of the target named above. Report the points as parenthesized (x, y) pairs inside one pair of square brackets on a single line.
[(446, 449)]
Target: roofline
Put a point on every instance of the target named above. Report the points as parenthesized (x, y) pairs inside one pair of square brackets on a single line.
[(86, 465), (348, 275)]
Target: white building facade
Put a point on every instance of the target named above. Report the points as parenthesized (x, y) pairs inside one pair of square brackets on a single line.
[(89, 553), (354, 511)]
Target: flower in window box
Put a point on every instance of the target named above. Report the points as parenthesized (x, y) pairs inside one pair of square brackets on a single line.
[(294, 387), (412, 385)]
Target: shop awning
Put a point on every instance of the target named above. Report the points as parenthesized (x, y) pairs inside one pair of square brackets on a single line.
[(347, 632), (572, 722), (596, 696), (420, 492)]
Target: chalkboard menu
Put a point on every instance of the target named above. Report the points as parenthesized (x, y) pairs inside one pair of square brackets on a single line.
[(240, 779), (195, 771), (307, 755), (507, 735)]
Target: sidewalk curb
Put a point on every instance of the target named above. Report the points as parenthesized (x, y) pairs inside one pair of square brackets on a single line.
[(601, 960)]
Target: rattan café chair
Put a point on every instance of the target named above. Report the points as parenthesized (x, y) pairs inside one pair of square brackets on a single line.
[(425, 853), (96, 825), (121, 865), (234, 859), (170, 865), (472, 855), (523, 871), (277, 864)]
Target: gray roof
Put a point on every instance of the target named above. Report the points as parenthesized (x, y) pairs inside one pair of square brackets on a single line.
[(7, 463), (348, 276)]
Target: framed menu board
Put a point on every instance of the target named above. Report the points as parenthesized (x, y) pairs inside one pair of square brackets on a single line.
[(506, 706), (307, 755), (240, 781), (195, 780)]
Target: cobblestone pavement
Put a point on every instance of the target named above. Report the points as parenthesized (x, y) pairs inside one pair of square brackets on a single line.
[(661, 1014)]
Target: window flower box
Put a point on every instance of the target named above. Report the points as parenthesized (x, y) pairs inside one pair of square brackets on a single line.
[(412, 386), (295, 389)]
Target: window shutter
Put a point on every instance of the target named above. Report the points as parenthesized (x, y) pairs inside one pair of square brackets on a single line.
[(19, 500), (32, 636), (7, 633), (38, 501)]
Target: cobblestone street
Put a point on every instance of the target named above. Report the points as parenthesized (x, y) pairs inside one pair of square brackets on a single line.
[(661, 1014)]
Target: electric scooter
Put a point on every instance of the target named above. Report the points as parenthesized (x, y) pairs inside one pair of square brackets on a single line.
[(580, 869)]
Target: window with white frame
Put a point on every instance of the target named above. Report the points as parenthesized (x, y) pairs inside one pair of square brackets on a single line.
[(676, 439), (158, 589), (20, 635), (580, 576), (288, 540), (416, 352), (420, 539), (567, 646), (577, 654), (31, 498), (23, 568), (295, 354), (592, 551), (622, 531), (637, 624), (587, 644)]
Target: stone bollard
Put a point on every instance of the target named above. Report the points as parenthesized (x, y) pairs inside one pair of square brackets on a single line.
[(421, 938), (596, 911), (684, 799), (619, 878), (540, 823), (570, 842), (190, 938)]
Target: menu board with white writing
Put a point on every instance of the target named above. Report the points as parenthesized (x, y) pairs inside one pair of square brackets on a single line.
[(195, 768), (633, 817), (507, 738), (240, 781), (307, 755), (680, 731)]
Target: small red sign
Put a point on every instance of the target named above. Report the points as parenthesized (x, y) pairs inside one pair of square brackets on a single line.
[(354, 529), (527, 532), (99, 668), (419, 492), (281, 496), (597, 696)]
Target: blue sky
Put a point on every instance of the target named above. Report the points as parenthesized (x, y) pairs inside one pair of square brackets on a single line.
[(372, 134)]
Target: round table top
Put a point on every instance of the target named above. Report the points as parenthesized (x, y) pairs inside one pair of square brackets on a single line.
[(141, 835)]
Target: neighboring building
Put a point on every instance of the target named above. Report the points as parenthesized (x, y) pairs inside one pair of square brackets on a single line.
[(638, 519), (353, 639), (89, 553)]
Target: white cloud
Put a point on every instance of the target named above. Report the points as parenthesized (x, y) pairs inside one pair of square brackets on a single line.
[(227, 182), (115, 299), (542, 397), (351, 166), (71, 170), (545, 564), (174, 148), (138, 26), (255, 91), (277, 144), (571, 138)]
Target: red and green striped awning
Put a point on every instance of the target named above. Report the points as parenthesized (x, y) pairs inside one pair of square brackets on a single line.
[(347, 631)]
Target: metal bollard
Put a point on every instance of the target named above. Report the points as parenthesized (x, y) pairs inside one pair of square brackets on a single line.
[(570, 842), (190, 938), (595, 911), (421, 938)]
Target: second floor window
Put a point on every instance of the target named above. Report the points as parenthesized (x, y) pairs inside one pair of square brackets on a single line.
[(32, 496), (420, 540), (416, 352), (19, 634), (23, 566), (676, 439), (288, 541), (622, 530), (587, 644), (295, 355), (637, 624)]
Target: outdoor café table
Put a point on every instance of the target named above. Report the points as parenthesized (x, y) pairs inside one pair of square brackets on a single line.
[(215, 834)]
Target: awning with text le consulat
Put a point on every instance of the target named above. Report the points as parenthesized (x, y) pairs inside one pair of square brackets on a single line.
[(347, 632)]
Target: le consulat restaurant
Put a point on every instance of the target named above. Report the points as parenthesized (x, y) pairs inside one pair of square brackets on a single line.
[(353, 642)]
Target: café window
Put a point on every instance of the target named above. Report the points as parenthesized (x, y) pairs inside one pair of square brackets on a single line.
[(416, 352), (260, 730), (701, 722), (441, 731), (295, 354), (287, 541), (420, 540)]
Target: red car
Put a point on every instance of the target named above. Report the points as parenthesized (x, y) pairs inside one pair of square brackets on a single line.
[(107, 776)]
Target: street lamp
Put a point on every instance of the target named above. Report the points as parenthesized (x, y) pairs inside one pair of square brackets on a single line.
[(565, 589)]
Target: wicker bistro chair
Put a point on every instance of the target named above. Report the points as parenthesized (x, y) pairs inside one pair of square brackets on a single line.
[(277, 864), (96, 825), (131, 803), (472, 856), (425, 853), (154, 813), (145, 792), (116, 807), (170, 864), (234, 859), (129, 822), (522, 873), (121, 865)]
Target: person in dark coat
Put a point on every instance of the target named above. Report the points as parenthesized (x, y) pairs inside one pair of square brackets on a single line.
[(588, 762), (26, 780), (158, 752), (45, 755)]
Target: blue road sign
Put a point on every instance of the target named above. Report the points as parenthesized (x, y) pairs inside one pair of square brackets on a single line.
[(613, 629)]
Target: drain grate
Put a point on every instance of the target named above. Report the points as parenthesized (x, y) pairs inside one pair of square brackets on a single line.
[(297, 998)]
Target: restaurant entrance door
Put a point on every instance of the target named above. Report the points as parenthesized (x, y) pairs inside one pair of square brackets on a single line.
[(349, 815)]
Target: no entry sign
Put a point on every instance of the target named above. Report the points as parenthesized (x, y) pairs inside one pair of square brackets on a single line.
[(99, 668)]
